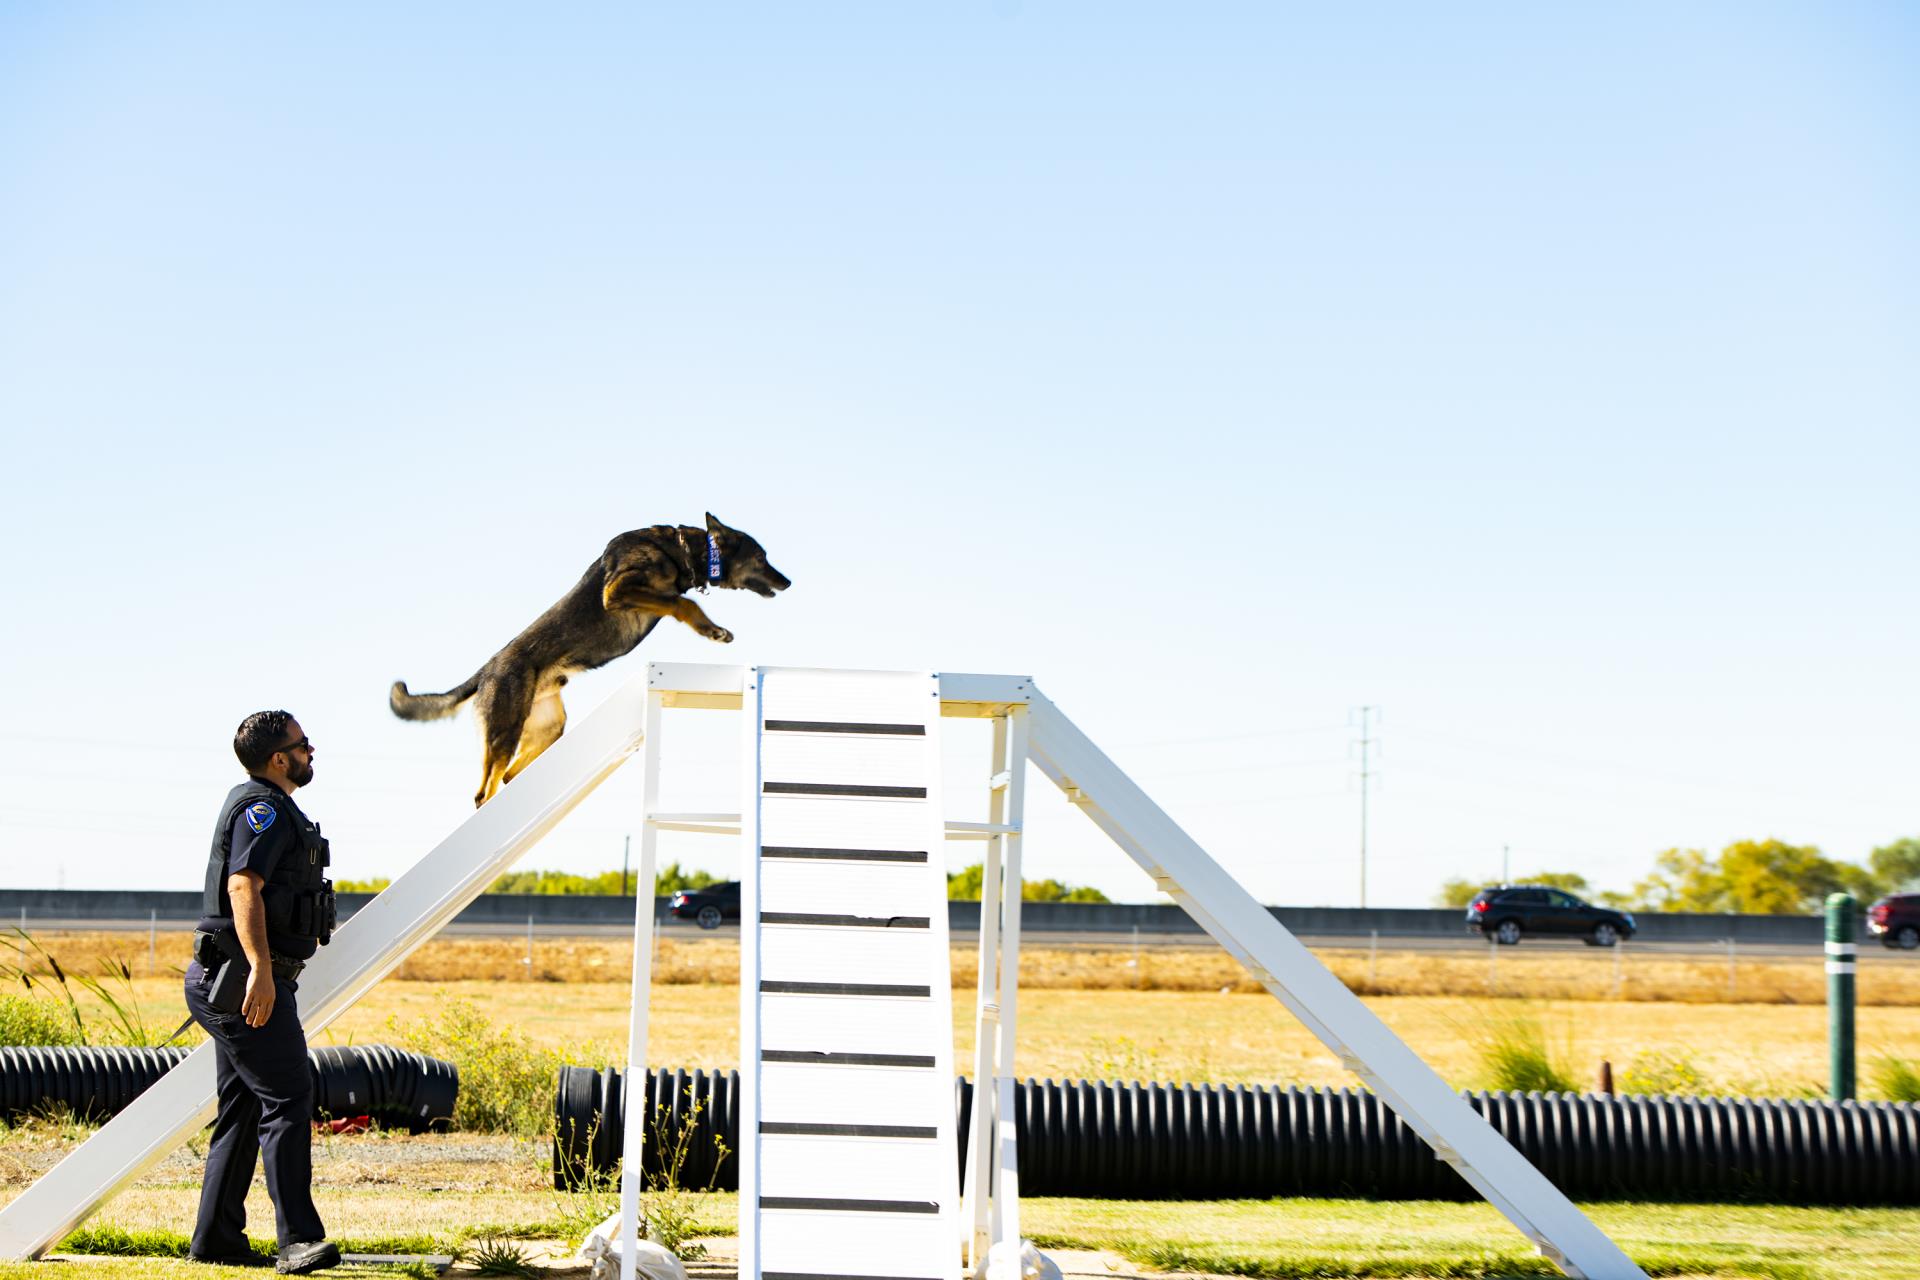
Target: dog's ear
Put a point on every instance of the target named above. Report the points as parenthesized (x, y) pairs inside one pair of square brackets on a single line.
[(714, 527)]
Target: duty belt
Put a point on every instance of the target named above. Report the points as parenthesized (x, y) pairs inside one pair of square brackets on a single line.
[(210, 948)]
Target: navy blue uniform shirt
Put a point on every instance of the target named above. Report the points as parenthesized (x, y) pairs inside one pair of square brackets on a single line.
[(261, 833)]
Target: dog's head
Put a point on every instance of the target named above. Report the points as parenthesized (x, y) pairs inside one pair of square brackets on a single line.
[(743, 562)]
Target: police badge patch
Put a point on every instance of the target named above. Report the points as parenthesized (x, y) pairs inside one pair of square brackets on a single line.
[(260, 816)]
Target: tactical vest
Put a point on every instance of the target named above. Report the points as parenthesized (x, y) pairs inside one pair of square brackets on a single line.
[(298, 896)]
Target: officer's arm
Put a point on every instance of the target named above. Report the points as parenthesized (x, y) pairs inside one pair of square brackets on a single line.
[(250, 922)]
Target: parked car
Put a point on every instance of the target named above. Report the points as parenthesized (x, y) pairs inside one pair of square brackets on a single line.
[(1895, 920), (709, 906), (1509, 912)]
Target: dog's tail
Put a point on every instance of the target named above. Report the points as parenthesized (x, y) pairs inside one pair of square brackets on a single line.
[(429, 706)]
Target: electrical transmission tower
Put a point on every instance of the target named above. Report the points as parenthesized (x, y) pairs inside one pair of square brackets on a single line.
[(1366, 779)]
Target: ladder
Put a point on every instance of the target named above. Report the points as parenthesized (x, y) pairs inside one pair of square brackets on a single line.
[(848, 1156)]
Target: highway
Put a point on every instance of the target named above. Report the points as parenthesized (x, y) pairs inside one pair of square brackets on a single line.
[(1871, 951)]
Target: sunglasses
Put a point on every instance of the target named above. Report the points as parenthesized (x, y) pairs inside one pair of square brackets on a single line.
[(292, 747)]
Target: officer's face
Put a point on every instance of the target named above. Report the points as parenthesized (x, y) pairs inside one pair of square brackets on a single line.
[(299, 755)]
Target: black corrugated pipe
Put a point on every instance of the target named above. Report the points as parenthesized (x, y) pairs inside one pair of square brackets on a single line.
[(395, 1087), (1135, 1141), (687, 1107)]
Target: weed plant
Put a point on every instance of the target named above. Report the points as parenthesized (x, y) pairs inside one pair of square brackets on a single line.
[(589, 1201), (1895, 1078), (1515, 1055), (499, 1258), (671, 1207), (669, 1210), (1124, 1058), (1663, 1071)]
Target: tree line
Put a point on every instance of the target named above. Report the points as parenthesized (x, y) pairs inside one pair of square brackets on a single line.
[(963, 885), (1757, 877), (669, 879)]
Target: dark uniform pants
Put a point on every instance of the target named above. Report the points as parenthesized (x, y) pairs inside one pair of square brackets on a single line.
[(266, 1103)]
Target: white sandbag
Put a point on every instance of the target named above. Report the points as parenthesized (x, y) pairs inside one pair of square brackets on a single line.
[(1005, 1262), (601, 1249)]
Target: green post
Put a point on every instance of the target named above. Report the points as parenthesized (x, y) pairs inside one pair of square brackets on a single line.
[(1842, 954)]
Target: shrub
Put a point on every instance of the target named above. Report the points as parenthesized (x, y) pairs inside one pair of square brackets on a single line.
[(1663, 1071), (1896, 1079), (1515, 1056), (26, 1021), (506, 1080), (122, 1010)]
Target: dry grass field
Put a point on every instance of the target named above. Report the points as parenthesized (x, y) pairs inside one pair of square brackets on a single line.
[(1533, 974), (1078, 1021)]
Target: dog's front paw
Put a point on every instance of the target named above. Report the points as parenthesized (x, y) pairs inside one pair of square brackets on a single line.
[(721, 634)]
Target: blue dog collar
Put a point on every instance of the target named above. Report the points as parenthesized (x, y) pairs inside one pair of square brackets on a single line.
[(713, 558)]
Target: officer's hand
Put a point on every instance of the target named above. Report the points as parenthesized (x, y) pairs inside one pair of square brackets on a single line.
[(257, 1005)]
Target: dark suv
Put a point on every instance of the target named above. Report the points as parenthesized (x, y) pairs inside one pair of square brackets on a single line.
[(1895, 920), (1511, 911), (709, 906)]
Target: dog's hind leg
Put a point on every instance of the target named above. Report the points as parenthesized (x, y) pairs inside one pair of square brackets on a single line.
[(545, 724), (503, 707)]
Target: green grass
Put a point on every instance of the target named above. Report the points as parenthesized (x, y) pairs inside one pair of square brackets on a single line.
[(1355, 1239), (137, 1243), (1291, 1239), (160, 1252)]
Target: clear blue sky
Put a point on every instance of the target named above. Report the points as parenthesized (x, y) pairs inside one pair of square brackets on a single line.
[(1544, 375)]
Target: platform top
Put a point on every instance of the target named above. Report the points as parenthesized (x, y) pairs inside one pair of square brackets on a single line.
[(718, 686)]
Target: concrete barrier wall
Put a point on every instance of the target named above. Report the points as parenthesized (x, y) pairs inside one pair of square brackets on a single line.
[(549, 911), (1389, 922), (177, 908)]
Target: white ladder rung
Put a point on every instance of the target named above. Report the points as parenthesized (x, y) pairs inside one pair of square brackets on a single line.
[(729, 824), (714, 823), (981, 830)]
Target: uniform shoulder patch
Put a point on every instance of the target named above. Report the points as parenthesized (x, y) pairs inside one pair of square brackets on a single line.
[(260, 815)]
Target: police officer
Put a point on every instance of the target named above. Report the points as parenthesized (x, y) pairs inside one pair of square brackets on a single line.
[(267, 907)]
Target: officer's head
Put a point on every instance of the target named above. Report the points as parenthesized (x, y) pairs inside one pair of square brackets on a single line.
[(271, 745)]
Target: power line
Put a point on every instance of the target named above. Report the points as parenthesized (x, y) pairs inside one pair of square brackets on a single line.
[(1366, 778), (1228, 737)]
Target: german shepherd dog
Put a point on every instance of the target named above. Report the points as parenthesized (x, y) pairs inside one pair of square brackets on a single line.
[(642, 577)]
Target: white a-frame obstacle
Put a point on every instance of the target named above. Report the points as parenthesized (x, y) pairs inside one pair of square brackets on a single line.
[(843, 930)]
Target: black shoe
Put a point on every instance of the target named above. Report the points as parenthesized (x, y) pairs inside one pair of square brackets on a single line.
[(298, 1259), (247, 1259)]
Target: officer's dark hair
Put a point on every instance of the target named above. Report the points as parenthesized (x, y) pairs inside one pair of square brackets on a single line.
[(259, 736)]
